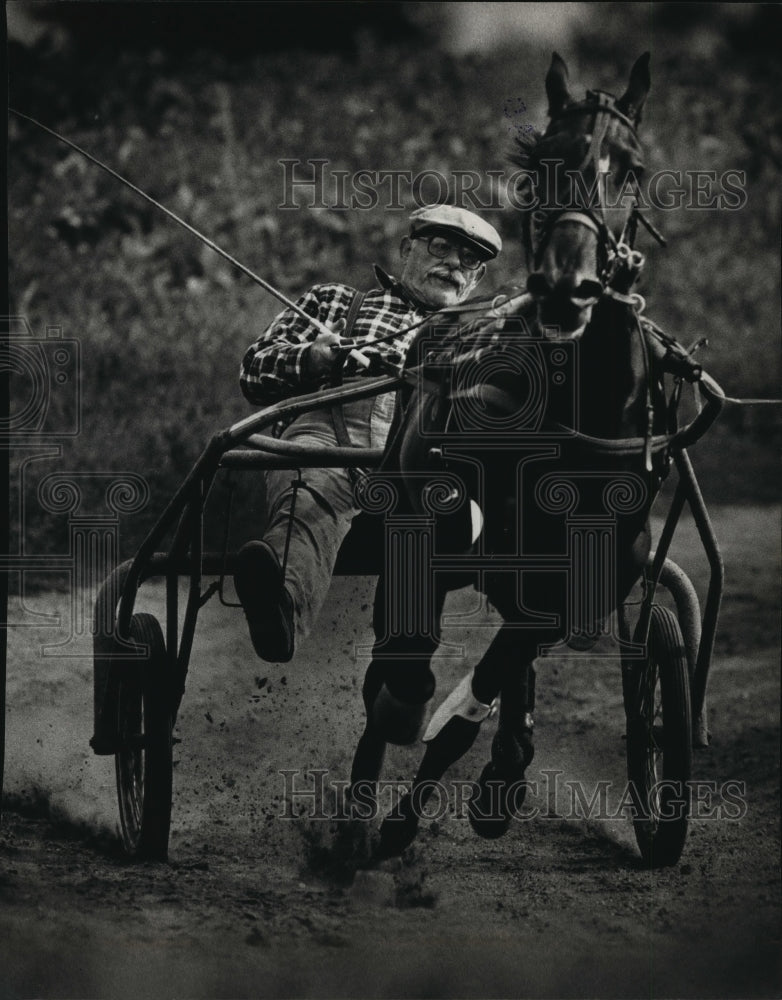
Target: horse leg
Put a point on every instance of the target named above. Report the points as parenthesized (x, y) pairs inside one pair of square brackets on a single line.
[(397, 688), (501, 787), (450, 734), (371, 747)]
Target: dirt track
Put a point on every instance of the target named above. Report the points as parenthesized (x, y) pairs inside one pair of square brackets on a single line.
[(253, 904)]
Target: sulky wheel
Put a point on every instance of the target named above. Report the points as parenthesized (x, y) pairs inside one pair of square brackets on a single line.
[(659, 742), (144, 758)]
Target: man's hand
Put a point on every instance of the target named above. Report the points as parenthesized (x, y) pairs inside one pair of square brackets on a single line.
[(322, 351)]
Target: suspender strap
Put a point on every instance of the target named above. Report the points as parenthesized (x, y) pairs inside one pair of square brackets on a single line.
[(350, 319), (337, 416)]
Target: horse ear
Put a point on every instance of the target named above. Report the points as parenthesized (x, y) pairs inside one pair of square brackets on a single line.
[(632, 101), (556, 86)]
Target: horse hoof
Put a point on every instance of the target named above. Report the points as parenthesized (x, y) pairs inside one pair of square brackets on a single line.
[(493, 808), (397, 721), (399, 828)]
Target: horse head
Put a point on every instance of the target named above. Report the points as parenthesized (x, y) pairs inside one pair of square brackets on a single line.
[(580, 179)]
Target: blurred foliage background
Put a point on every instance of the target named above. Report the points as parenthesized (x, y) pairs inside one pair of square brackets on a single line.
[(198, 103)]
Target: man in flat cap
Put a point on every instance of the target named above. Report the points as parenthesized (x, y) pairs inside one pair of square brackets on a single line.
[(443, 258)]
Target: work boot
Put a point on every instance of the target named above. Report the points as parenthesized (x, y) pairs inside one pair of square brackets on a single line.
[(268, 607)]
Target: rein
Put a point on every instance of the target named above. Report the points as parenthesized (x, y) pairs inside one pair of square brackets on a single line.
[(654, 345)]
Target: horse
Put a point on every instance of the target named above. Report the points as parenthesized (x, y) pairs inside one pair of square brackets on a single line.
[(532, 434)]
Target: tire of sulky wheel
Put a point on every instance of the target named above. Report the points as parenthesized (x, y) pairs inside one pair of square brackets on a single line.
[(144, 764), (659, 744)]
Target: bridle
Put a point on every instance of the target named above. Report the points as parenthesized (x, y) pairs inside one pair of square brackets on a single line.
[(619, 263)]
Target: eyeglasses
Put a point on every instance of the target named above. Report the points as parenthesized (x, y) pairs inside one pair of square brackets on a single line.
[(439, 247)]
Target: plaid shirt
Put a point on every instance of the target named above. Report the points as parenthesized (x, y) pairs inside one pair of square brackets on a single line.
[(273, 367)]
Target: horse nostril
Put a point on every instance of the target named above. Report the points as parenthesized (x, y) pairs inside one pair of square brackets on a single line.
[(587, 291), (538, 286)]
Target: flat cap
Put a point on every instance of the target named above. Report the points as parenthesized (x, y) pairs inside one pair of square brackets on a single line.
[(470, 228)]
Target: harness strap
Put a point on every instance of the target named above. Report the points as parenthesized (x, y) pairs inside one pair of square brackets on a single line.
[(606, 106)]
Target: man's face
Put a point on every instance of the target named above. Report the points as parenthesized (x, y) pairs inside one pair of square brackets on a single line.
[(437, 282)]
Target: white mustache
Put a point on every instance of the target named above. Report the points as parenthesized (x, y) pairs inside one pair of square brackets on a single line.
[(448, 275)]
